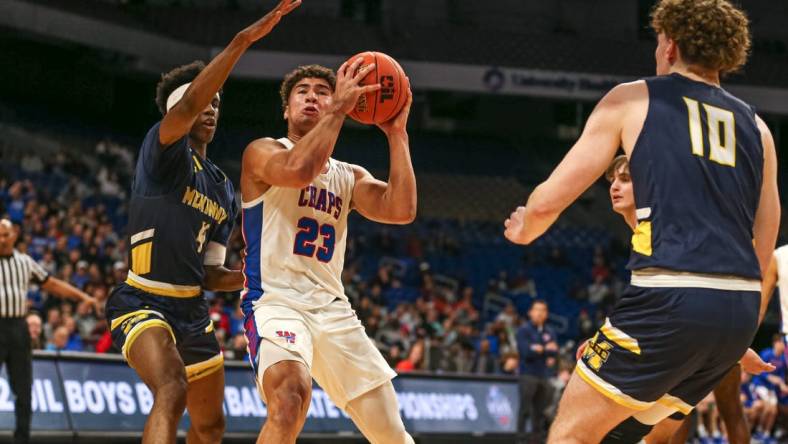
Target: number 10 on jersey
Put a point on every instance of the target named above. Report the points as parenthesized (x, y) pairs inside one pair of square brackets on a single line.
[(306, 239), (721, 129)]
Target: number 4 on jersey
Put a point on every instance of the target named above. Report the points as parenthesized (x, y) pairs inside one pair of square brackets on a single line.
[(722, 132)]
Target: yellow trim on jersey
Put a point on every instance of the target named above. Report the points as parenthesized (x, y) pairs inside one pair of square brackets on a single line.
[(620, 338), (139, 328), (197, 164), (204, 368), (141, 258), (117, 321), (641, 238), (675, 403), (163, 288), (609, 390)]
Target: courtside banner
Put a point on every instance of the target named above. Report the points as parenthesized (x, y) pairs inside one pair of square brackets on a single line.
[(50, 410), (85, 394)]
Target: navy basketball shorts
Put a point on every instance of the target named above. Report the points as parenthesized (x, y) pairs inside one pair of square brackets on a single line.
[(666, 348), (130, 311)]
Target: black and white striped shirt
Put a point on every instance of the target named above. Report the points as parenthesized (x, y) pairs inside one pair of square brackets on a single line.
[(16, 273)]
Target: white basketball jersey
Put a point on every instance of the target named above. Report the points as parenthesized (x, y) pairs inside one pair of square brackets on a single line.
[(781, 255), (295, 241)]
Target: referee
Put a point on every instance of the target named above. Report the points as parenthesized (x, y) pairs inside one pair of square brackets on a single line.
[(17, 270)]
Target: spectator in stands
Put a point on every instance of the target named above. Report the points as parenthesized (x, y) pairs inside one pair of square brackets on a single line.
[(74, 342), (464, 308), (413, 361), (59, 340), (15, 202), (600, 267), (53, 322), (598, 291), (485, 362), (585, 325), (536, 343), (85, 318), (394, 354), (36, 333), (508, 316)]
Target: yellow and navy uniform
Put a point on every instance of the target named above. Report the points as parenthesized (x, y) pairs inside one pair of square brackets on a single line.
[(691, 310), (696, 171), (180, 203)]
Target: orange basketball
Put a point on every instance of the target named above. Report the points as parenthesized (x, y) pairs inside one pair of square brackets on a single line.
[(383, 104)]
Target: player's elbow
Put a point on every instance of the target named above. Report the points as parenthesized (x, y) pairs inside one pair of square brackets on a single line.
[(403, 214), (404, 217)]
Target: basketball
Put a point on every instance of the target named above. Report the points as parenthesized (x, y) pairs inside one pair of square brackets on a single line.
[(381, 105)]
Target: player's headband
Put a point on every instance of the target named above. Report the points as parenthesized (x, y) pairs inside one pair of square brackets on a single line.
[(177, 95)]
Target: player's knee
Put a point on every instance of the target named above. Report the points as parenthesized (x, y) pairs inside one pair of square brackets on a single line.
[(391, 432), (210, 430), (288, 405), (629, 431), (738, 434), (384, 428), (172, 393), (398, 436)]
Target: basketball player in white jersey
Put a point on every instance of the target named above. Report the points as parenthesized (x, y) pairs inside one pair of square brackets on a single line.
[(296, 200)]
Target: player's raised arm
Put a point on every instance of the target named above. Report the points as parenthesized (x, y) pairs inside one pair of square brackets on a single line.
[(581, 166), (179, 119), (266, 161), (392, 202), (767, 218)]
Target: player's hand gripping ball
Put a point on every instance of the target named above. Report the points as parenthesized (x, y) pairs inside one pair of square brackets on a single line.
[(382, 105)]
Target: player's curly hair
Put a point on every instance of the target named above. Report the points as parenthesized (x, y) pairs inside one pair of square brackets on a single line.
[(713, 34), (176, 77), (305, 72)]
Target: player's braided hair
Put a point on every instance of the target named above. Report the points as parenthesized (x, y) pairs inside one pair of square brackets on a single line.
[(173, 79), (305, 72), (712, 34)]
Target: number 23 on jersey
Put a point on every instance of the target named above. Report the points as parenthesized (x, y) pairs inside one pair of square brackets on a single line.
[(721, 132), (307, 238)]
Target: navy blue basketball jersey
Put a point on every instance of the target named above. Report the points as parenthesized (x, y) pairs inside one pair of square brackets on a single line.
[(696, 170), (180, 203)]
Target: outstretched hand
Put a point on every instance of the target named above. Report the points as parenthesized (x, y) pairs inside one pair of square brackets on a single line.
[(262, 27), (399, 123)]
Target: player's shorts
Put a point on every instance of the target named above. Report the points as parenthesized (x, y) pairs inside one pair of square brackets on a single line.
[(130, 311), (664, 349), (330, 341)]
